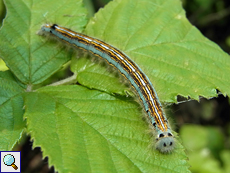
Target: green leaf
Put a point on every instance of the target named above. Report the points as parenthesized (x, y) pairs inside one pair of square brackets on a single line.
[(197, 137), (84, 130), (176, 57), (11, 111), (225, 155), (26, 54), (3, 66), (204, 145), (103, 77)]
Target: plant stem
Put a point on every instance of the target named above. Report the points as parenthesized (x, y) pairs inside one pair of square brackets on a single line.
[(69, 80)]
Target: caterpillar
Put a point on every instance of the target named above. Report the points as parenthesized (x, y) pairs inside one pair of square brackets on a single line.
[(165, 141)]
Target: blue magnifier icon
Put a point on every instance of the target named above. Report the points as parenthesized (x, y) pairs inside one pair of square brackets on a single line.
[(9, 160)]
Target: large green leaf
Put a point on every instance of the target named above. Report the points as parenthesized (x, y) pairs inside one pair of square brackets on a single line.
[(11, 111), (26, 54), (84, 130), (176, 57)]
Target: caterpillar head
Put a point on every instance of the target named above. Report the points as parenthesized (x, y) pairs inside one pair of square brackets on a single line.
[(165, 142)]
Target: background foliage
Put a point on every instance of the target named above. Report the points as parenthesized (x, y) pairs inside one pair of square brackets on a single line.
[(64, 105)]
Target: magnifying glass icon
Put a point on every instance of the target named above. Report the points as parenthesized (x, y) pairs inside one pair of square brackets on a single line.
[(9, 160)]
